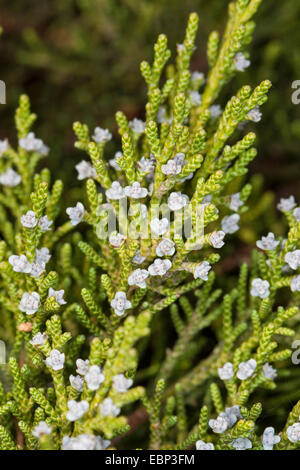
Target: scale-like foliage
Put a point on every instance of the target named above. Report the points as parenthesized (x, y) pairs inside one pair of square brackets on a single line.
[(84, 314)]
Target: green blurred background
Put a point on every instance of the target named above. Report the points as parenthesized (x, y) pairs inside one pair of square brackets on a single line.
[(79, 60)]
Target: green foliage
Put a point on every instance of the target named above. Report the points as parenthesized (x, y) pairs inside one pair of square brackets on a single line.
[(79, 301), (53, 44)]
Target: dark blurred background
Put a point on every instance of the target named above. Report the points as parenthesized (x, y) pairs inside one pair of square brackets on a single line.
[(79, 60)]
